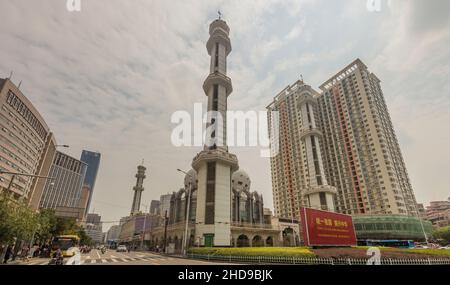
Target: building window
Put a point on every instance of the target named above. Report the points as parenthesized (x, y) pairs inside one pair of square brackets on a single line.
[(210, 193), (215, 103), (216, 63)]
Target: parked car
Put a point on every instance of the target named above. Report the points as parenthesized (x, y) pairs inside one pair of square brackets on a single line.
[(121, 248)]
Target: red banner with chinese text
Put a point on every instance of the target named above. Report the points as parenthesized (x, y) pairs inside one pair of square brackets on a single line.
[(324, 228)]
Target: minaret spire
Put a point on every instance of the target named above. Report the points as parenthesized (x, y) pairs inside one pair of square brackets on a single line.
[(215, 163), (140, 176), (217, 85)]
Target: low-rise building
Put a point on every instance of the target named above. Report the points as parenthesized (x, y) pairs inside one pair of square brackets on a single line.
[(438, 213)]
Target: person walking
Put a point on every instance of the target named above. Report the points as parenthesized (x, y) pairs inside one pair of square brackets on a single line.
[(7, 254)]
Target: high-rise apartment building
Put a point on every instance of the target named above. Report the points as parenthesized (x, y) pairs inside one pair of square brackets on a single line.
[(359, 151), (92, 159), (66, 189), (362, 155), (298, 177)]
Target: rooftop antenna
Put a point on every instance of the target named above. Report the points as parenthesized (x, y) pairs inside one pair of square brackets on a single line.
[(10, 75), (220, 14), (142, 162), (301, 78), (20, 83)]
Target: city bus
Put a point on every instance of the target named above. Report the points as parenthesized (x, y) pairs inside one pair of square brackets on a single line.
[(67, 243), (387, 243)]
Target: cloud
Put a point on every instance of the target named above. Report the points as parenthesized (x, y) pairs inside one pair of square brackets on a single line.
[(109, 77)]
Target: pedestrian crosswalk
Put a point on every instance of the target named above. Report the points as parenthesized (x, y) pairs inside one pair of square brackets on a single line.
[(121, 259), (86, 260)]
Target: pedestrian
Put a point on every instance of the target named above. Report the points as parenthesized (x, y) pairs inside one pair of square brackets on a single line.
[(7, 254)]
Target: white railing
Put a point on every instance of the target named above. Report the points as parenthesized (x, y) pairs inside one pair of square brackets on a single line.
[(315, 260)]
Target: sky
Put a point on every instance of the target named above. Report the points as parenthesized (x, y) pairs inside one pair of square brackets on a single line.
[(109, 77)]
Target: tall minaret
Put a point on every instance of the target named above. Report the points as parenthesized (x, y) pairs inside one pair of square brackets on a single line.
[(140, 176), (214, 165)]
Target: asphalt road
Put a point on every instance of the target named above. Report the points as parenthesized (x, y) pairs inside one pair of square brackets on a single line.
[(111, 257)]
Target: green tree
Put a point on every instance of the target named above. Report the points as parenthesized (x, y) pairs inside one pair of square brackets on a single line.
[(47, 225), (84, 238), (443, 234), (16, 220), (6, 216)]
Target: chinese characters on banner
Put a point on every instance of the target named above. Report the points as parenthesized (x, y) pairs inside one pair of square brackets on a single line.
[(327, 228)]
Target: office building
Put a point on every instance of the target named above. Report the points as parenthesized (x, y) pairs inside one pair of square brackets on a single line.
[(94, 219), (26, 145), (94, 232), (84, 199), (164, 204), (113, 233), (66, 189), (92, 159), (155, 207)]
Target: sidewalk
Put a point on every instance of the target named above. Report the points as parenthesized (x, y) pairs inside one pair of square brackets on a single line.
[(19, 261)]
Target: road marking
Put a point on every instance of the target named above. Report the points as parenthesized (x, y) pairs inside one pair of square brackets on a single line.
[(104, 261), (88, 257), (121, 254), (124, 259), (98, 254), (93, 261), (113, 256), (114, 260), (82, 262)]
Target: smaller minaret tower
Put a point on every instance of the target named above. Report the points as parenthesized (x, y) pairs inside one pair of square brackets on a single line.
[(140, 176)]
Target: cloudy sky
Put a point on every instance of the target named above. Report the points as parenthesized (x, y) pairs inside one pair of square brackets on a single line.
[(108, 78)]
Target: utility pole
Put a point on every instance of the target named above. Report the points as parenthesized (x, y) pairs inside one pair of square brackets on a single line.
[(166, 222), (185, 238)]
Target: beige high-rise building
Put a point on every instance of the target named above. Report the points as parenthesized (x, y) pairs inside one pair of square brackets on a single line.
[(358, 147), (362, 155), (298, 176), (26, 145)]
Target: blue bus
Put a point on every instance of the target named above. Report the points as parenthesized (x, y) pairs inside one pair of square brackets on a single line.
[(387, 243)]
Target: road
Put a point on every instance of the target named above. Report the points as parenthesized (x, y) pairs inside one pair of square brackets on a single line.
[(111, 257)]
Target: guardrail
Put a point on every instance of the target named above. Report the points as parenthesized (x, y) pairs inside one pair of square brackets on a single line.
[(317, 261)]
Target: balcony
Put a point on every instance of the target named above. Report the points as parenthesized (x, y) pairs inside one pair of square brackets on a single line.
[(310, 132), (220, 79)]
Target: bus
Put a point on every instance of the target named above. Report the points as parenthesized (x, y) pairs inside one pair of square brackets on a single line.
[(387, 243), (67, 243)]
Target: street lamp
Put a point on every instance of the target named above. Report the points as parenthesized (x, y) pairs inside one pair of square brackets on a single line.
[(187, 212), (14, 174)]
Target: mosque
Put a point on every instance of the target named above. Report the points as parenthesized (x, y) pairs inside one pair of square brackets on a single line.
[(223, 209)]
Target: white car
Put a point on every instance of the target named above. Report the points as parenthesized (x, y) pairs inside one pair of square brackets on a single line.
[(121, 248)]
